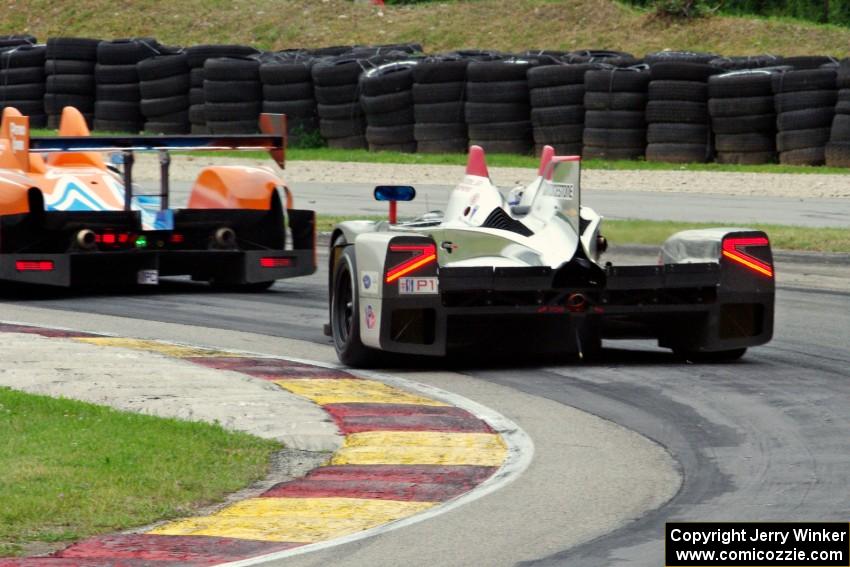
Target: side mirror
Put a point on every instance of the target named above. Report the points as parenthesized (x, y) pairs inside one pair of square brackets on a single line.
[(394, 193)]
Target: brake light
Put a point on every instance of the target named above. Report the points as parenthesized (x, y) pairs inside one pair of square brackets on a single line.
[(108, 238), (735, 250), (34, 265), (176, 238), (422, 255), (269, 262)]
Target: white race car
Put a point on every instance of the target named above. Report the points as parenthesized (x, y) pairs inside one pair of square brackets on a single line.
[(525, 273)]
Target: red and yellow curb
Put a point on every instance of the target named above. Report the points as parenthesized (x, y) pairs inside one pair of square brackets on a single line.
[(404, 453)]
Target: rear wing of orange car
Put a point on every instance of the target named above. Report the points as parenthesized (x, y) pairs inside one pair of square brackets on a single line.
[(21, 145)]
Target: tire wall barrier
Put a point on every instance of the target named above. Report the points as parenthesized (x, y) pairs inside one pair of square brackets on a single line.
[(669, 106)]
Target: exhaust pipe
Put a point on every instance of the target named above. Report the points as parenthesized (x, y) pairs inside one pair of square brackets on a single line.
[(225, 237), (86, 239), (576, 303)]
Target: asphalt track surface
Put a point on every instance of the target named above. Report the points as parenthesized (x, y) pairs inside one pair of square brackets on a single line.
[(761, 439)]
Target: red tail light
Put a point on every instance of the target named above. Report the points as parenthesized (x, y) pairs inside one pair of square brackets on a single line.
[(270, 262), (421, 255), (34, 265), (735, 249), (176, 238)]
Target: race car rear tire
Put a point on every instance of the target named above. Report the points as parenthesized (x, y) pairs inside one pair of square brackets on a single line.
[(344, 312)]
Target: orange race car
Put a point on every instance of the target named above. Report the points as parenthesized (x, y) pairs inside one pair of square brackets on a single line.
[(67, 218)]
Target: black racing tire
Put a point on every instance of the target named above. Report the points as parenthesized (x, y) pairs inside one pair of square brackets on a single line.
[(557, 75), (175, 85), (614, 137), (70, 84), (357, 142), (383, 135), (198, 54), (496, 71), (740, 85), (695, 91), (561, 134), (400, 79), (32, 91), (678, 153), (117, 111), (678, 58), (838, 154), (740, 106), (68, 67), (676, 111), (337, 94), (163, 66), (292, 108), (22, 76), (564, 95), (802, 100), (232, 111), (710, 357), (55, 102), (345, 313), (436, 131), (231, 69), (197, 115), (842, 107), (288, 91), (377, 104), (745, 143), (126, 51), (23, 56), (617, 80), (840, 131), (76, 48), (519, 130), (674, 133), (342, 128), (807, 61), (614, 119), (744, 124), (605, 153), (171, 128), (805, 119), (347, 111), (404, 148), (345, 71), (196, 96), (804, 80), (745, 158), (233, 126), (395, 118), (439, 112), (282, 73), (440, 72), (101, 125), (157, 107), (520, 147), (615, 101), (499, 91), (561, 148), (29, 108), (489, 112), (128, 92), (116, 74), (427, 93), (554, 115), (232, 91), (804, 156), (789, 140), (444, 146), (682, 71), (196, 77)]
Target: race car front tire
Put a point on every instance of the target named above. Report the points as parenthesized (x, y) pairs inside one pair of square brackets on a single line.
[(345, 310)]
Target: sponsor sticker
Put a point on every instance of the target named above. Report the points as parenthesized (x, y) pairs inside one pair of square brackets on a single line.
[(147, 277), (370, 317), (418, 286), (370, 283)]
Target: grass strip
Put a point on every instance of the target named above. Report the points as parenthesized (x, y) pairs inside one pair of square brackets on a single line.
[(73, 469)]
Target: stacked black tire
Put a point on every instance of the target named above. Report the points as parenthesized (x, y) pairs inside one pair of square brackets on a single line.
[(22, 82), (17, 40), (197, 56), (677, 112), (164, 88), (69, 65), (615, 101), (342, 121), (556, 94), (117, 106), (386, 95), (233, 95), (743, 117), (288, 89), (838, 148), (805, 106), (439, 85), (497, 109)]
